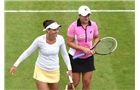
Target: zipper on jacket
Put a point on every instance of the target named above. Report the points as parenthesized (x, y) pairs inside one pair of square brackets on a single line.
[(85, 33)]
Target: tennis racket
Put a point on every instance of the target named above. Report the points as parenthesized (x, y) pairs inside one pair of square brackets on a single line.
[(104, 46), (71, 81)]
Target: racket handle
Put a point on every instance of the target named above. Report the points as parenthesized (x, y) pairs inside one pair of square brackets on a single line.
[(71, 81), (77, 56)]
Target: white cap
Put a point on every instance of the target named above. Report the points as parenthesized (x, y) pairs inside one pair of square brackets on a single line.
[(84, 10), (53, 25)]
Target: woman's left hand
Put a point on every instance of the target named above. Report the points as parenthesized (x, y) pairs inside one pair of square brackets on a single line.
[(69, 73)]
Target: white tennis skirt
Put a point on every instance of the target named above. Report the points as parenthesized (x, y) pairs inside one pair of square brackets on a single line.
[(46, 76)]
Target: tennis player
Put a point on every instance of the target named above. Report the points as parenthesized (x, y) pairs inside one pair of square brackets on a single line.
[(82, 34), (46, 71)]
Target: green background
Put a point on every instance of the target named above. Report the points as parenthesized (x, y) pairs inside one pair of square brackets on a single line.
[(113, 72)]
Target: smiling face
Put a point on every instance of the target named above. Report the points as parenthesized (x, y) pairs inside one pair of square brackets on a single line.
[(84, 19), (53, 32)]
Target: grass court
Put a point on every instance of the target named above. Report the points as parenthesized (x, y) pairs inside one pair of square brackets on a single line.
[(113, 72)]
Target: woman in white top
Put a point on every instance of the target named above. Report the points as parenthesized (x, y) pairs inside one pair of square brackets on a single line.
[(46, 72)]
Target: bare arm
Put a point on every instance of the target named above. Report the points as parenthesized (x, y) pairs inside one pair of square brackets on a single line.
[(96, 39)]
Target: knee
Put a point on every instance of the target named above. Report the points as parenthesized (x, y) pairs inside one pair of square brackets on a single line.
[(75, 84), (70, 85), (86, 83)]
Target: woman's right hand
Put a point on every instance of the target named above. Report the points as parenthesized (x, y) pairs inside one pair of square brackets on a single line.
[(86, 50), (12, 70)]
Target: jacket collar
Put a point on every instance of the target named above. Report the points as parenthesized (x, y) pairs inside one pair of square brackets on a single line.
[(79, 23)]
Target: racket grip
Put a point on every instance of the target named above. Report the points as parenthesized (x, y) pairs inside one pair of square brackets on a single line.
[(77, 56), (71, 81)]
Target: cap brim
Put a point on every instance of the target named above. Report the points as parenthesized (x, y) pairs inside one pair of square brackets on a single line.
[(85, 14), (52, 26), (55, 27)]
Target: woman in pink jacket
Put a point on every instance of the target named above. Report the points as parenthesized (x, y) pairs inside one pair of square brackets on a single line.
[(82, 34)]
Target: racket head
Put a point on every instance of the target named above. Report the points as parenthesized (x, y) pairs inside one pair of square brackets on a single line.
[(106, 46)]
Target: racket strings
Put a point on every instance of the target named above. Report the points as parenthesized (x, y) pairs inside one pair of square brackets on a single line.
[(105, 46)]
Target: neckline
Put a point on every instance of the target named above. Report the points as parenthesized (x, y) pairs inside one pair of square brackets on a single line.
[(51, 43)]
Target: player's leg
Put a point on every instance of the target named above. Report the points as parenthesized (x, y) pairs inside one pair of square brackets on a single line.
[(41, 85), (76, 78), (86, 79), (53, 86)]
